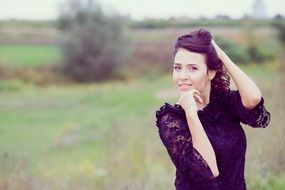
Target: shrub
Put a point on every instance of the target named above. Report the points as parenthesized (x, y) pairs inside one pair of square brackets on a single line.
[(95, 44), (263, 51), (258, 52), (234, 50), (280, 26)]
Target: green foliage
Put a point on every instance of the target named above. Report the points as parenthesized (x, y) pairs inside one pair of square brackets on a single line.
[(267, 183), (95, 46), (163, 23), (199, 22), (265, 50), (234, 50), (279, 24), (258, 52)]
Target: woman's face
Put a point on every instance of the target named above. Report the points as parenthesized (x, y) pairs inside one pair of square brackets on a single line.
[(190, 71)]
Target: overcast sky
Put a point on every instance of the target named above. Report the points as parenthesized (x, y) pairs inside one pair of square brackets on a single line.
[(138, 9)]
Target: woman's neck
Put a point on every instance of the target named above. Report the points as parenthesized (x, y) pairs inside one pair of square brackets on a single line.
[(205, 95)]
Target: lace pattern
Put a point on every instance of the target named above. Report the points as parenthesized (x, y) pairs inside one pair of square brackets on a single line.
[(257, 117), (175, 135), (221, 120)]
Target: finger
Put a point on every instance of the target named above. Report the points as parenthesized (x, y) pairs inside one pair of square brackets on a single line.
[(198, 98), (192, 93), (213, 42), (197, 92)]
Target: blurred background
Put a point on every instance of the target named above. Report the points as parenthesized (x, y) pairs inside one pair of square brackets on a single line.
[(80, 81)]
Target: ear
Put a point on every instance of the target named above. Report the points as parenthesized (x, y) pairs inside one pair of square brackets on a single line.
[(211, 74)]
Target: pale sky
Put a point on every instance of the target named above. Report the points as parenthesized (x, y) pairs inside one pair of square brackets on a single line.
[(139, 9)]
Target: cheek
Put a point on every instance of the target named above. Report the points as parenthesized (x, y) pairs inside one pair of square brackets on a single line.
[(199, 79), (174, 76), (197, 76)]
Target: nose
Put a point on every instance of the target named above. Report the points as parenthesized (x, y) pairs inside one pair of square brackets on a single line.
[(183, 75)]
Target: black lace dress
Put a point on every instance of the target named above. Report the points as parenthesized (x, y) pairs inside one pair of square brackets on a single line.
[(221, 121)]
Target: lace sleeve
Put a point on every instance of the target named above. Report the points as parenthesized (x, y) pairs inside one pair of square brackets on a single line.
[(177, 140), (257, 117)]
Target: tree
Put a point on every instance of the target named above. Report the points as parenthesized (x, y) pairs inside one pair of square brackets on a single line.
[(95, 43)]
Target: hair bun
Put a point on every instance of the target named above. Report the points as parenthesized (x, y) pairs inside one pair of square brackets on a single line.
[(205, 35), (198, 41)]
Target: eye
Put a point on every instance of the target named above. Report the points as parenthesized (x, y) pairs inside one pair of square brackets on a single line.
[(193, 68), (176, 67)]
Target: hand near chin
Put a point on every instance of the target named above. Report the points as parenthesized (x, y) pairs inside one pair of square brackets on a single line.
[(188, 101)]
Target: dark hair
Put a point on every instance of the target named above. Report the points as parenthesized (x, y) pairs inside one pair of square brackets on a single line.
[(200, 42)]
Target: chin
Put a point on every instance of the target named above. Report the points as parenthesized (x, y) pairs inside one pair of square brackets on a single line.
[(183, 89)]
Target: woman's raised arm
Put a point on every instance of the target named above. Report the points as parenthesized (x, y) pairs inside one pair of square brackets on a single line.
[(249, 92)]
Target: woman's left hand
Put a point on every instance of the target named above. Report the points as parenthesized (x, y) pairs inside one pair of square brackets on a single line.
[(219, 51)]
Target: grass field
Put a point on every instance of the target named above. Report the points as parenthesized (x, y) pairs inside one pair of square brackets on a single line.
[(29, 55), (103, 136)]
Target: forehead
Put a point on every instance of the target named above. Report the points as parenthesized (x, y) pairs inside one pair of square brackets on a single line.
[(184, 56)]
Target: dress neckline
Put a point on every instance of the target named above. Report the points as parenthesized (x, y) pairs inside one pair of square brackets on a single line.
[(179, 107)]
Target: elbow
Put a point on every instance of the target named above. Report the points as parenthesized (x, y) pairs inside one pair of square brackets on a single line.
[(216, 173), (251, 102)]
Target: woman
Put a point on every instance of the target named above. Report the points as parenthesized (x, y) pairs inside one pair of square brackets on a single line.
[(202, 131)]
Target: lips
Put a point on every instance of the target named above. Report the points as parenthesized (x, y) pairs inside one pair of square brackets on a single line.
[(184, 86)]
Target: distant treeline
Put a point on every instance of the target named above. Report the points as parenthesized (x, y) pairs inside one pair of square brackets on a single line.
[(184, 22), (90, 45), (163, 23)]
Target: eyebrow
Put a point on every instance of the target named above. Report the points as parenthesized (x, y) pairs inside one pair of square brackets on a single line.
[(191, 64)]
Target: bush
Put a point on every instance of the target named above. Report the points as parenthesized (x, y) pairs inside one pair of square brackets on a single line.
[(235, 51), (263, 51), (258, 52), (280, 26), (95, 44)]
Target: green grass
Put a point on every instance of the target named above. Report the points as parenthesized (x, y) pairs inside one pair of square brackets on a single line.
[(29, 55), (101, 136), (70, 130), (27, 23)]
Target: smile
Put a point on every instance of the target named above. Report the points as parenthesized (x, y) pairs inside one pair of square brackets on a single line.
[(184, 86)]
